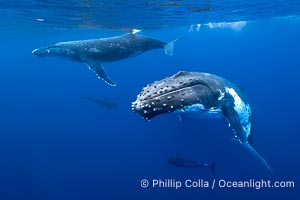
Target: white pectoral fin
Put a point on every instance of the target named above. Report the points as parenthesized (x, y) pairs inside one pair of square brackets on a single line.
[(234, 122), (99, 71), (258, 156)]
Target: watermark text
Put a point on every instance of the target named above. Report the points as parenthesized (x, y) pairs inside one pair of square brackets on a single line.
[(215, 183)]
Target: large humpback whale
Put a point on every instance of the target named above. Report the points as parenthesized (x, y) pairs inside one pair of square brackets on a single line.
[(94, 52), (200, 93)]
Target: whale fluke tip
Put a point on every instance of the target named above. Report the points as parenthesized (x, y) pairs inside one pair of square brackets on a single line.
[(213, 167)]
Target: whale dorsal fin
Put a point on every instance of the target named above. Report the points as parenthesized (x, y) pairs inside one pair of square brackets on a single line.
[(134, 31), (99, 71)]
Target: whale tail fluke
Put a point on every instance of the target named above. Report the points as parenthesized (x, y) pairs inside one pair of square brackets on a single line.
[(213, 167), (258, 155), (168, 48)]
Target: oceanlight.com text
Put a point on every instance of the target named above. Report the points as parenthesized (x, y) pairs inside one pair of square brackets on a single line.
[(257, 184)]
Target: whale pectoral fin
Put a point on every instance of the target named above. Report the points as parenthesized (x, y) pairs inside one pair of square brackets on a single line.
[(213, 167), (99, 71), (234, 122), (254, 152)]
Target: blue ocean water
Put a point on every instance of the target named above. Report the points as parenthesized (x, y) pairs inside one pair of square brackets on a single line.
[(56, 145)]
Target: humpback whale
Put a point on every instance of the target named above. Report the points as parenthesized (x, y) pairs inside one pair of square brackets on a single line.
[(102, 102), (94, 52), (179, 161), (200, 93)]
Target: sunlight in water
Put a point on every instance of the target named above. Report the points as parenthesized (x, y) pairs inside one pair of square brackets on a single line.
[(236, 26), (233, 25)]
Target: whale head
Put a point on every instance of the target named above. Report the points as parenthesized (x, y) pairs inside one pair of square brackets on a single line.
[(55, 50), (183, 91)]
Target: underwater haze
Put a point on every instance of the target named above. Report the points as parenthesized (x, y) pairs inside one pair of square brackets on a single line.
[(65, 134)]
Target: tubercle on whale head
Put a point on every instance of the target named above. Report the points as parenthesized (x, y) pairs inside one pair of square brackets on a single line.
[(170, 94), (154, 107)]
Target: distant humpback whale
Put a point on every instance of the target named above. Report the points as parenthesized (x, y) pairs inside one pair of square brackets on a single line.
[(94, 52), (179, 161), (102, 102), (200, 94)]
